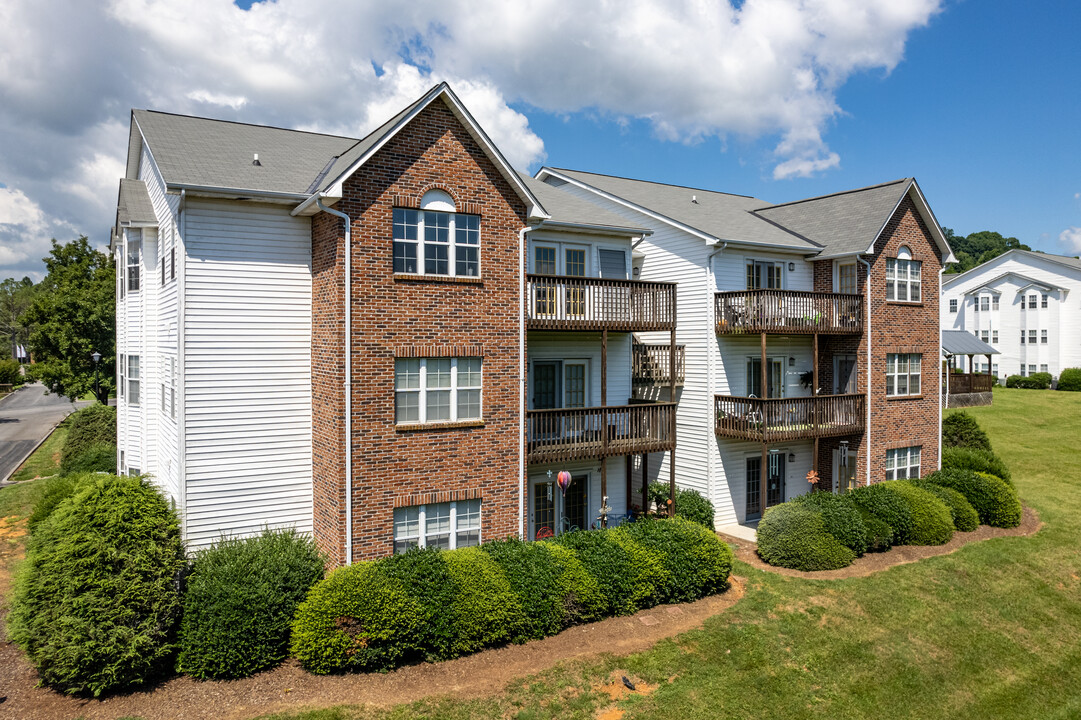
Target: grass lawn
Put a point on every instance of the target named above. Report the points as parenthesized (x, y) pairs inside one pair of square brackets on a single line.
[(992, 631), (45, 461)]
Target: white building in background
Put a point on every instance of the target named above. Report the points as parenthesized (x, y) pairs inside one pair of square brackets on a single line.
[(1027, 305)]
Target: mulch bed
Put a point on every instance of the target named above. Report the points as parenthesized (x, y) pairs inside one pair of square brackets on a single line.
[(900, 555), (290, 688)]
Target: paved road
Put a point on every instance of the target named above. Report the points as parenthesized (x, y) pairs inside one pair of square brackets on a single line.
[(26, 417)]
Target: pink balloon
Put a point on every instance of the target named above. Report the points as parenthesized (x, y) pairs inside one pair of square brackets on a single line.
[(563, 480)]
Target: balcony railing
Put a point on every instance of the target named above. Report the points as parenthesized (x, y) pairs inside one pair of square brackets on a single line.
[(963, 383), (788, 312), (558, 302), (649, 365), (777, 419), (596, 432)]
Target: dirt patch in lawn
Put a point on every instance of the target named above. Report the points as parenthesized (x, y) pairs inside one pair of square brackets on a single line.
[(900, 555), (290, 688)]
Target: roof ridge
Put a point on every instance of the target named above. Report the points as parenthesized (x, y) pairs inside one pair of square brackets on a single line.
[(246, 124), (651, 182), (835, 194)]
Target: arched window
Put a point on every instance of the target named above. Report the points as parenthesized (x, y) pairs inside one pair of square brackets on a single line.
[(436, 240), (903, 280)]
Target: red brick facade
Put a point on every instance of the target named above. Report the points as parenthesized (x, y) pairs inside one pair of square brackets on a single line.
[(411, 316), (896, 327)]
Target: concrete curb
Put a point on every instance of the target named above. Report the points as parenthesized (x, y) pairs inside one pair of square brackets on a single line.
[(4, 482)]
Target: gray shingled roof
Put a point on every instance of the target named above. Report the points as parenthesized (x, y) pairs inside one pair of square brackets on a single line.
[(215, 153), (842, 223), (134, 206), (720, 215), (962, 342), (571, 210)]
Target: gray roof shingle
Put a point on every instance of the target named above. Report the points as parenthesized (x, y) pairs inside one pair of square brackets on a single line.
[(571, 210), (134, 206)]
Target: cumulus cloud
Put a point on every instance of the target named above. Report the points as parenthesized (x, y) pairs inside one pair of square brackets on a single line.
[(1070, 238), (69, 73)]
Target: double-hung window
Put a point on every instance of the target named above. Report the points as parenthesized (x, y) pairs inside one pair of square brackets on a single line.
[(1043, 368), (903, 277), (994, 302), (953, 305), (435, 242), (430, 390), (1043, 300), (985, 335), (846, 281), (994, 337), (168, 388), (985, 303), (122, 376), (1043, 337), (134, 245), (903, 463), (903, 374), (1031, 337), (440, 525), (133, 379), (1032, 302)]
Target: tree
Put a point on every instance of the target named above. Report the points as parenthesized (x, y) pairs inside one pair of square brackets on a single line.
[(74, 314), (978, 247), (15, 299)]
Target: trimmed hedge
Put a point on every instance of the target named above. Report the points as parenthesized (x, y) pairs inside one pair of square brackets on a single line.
[(1070, 380), (996, 502), (960, 429), (240, 599), (91, 426), (888, 507), (842, 518), (794, 535), (60, 488), (932, 523), (878, 534), (965, 517), (100, 457), (436, 604), (976, 461), (96, 603), (690, 504), (1035, 381)]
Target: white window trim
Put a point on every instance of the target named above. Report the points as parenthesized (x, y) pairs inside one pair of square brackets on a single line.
[(422, 392), (892, 472), (908, 375), (134, 244), (451, 244), (422, 536), (953, 305), (855, 276), (134, 393), (121, 376), (892, 265), (782, 268)]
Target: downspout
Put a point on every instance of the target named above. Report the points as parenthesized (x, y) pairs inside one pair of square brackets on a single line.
[(711, 366), (522, 309), (348, 386), (867, 432), (181, 429), (943, 393)]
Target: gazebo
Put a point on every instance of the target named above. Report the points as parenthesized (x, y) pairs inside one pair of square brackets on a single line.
[(971, 388)]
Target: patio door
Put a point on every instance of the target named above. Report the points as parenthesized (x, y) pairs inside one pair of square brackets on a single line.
[(775, 482), (844, 374), (551, 514), (774, 377), (763, 275), (844, 476), (546, 384)]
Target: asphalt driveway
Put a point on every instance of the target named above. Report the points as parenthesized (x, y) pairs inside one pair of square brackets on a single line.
[(26, 418)]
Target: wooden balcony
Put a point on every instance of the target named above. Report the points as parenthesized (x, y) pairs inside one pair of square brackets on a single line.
[(777, 419), (649, 365), (558, 302), (788, 312), (596, 432)]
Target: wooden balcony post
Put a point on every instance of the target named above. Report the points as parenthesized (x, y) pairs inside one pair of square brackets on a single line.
[(764, 391), (672, 421), (814, 367), (762, 481), (604, 420)]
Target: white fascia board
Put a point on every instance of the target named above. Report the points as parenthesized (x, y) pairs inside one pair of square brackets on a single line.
[(237, 193), (595, 229), (836, 256), (536, 210), (929, 220), (711, 239)]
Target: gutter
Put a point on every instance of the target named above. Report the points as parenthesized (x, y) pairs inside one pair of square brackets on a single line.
[(243, 192), (867, 432), (943, 392), (522, 378), (348, 385)]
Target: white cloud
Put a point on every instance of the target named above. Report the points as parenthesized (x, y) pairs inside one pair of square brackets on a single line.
[(25, 234), (69, 73), (1070, 238)]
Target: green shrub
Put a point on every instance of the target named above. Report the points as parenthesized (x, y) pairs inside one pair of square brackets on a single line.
[(888, 507), (357, 618), (690, 504), (608, 563), (9, 372), (60, 488), (1070, 380), (932, 523), (96, 603), (582, 598), (534, 578), (995, 501), (240, 599), (976, 461), (879, 535), (1036, 381), (794, 536), (842, 519), (93, 425), (425, 577), (959, 429), (96, 458), (695, 561), (965, 517), (486, 610)]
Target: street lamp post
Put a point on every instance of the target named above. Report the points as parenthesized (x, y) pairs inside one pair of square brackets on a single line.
[(96, 357)]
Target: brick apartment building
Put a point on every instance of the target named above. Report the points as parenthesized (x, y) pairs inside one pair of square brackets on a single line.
[(497, 329)]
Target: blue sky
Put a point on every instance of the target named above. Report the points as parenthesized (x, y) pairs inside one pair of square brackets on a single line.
[(780, 99)]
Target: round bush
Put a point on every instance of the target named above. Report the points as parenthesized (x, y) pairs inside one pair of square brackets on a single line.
[(425, 577), (696, 562), (976, 461), (995, 501), (535, 579), (582, 598), (842, 519), (93, 425), (608, 563), (96, 603), (1070, 380), (794, 536), (100, 457), (879, 535), (965, 517), (888, 507), (932, 523), (1036, 381), (647, 573), (240, 599), (690, 504), (486, 610), (960, 429), (357, 618)]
